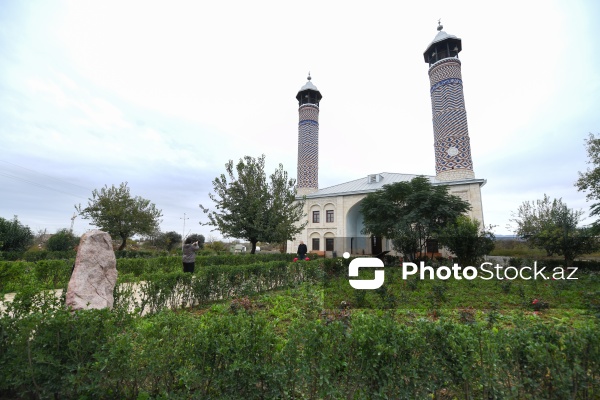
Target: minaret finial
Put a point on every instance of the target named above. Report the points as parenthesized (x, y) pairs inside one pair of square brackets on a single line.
[(309, 78), (440, 26)]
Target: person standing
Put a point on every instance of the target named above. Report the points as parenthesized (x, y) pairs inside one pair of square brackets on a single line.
[(189, 255), (302, 250)]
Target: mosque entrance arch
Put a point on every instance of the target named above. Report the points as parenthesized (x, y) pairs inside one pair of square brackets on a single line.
[(358, 243)]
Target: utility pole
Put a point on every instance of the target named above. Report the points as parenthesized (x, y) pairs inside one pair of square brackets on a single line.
[(183, 231), (73, 221)]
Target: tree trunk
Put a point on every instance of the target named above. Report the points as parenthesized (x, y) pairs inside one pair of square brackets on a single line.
[(568, 262), (253, 241), (123, 243)]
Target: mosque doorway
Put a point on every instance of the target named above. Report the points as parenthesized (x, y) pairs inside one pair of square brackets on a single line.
[(376, 245)]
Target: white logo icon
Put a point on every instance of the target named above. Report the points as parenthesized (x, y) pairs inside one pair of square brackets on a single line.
[(366, 262)]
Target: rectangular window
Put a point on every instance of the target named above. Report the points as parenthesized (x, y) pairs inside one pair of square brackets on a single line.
[(316, 217), (315, 244), (329, 216), (432, 246), (329, 244)]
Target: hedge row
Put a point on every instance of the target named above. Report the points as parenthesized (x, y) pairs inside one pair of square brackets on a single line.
[(36, 255), (213, 283), (178, 289), (70, 254), (52, 274), (105, 355)]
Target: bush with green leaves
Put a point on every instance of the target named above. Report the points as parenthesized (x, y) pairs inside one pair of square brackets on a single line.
[(62, 240), (244, 354), (14, 236), (54, 270)]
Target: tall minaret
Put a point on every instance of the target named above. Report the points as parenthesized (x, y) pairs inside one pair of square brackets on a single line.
[(451, 134), (308, 139)]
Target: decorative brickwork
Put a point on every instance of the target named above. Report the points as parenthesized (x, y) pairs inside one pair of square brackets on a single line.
[(450, 130), (308, 148), (455, 175)]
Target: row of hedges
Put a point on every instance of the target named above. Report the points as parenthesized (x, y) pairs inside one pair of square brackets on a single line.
[(105, 355), (178, 289), (36, 255), (213, 283), (52, 274), (70, 254)]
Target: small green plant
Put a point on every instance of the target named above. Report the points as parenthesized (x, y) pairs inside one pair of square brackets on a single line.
[(493, 315), (438, 292), (388, 300), (592, 300), (412, 283), (506, 285), (360, 298), (521, 292), (515, 261)]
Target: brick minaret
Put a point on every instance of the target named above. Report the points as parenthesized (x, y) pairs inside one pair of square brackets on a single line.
[(451, 134), (308, 139)]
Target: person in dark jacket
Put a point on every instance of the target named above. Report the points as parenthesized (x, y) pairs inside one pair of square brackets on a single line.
[(189, 255), (302, 250)]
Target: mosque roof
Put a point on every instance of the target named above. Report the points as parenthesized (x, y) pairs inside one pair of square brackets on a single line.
[(374, 182), (308, 86), (441, 35)]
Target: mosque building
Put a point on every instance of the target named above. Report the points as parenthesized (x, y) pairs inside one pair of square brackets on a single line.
[(334, 218)]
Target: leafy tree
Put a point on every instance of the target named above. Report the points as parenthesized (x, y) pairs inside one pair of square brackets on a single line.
[(410, 213), (62, 240), (466, 240), (551, 225), (168, 240), (248, 207), (197, 238), (14, 236), (216, 246), (115, 211), (589, 181)]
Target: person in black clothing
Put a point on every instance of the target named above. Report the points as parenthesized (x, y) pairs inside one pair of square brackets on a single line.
[(302, 250)]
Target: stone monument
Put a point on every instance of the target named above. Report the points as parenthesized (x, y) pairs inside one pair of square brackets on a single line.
[(95, 273)]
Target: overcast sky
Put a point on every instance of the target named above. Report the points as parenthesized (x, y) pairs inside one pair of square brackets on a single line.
[(162, 94)]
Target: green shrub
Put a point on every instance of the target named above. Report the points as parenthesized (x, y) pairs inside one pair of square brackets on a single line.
[(63, 240), (50, 352)]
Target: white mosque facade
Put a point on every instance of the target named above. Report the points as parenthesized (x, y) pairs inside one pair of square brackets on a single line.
[(334, 219)]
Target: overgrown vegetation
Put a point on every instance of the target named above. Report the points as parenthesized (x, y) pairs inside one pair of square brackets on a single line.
[(132, 267), (242, 338)]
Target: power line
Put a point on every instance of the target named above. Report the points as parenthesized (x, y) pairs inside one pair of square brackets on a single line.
[(39, 184), (45, 175)]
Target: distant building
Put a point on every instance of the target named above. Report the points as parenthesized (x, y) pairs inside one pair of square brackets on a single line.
[(238, 248), (334, 218)]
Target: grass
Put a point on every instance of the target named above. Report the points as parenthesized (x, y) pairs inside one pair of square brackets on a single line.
[(475, 302)]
